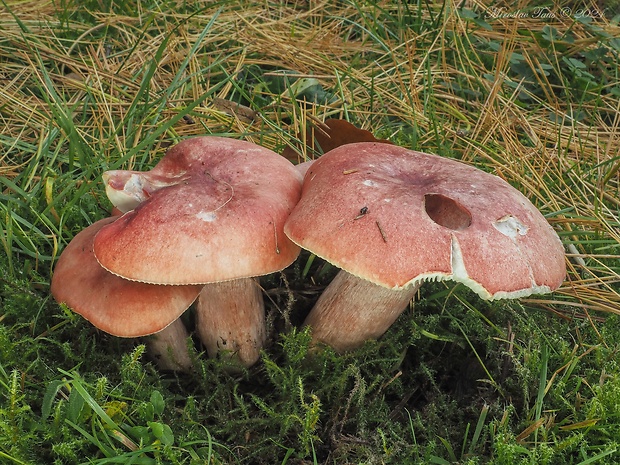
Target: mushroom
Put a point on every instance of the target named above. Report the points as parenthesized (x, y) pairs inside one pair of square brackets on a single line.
[(121, 307), (391, 218), (211, 212), (303, 167)]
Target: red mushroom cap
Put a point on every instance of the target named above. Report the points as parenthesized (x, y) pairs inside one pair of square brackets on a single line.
[(395, 217), (214, 210), (113, 304)]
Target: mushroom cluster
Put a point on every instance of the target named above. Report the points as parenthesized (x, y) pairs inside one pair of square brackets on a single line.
[(204, 222), (215, 213), (392, 218)]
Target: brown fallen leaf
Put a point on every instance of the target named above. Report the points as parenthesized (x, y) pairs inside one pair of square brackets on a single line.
[(332, 133)]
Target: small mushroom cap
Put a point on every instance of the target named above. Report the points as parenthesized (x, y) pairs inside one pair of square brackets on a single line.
[(125, 189), (395, 217), (302, 168), (213, 210), (113, 304)]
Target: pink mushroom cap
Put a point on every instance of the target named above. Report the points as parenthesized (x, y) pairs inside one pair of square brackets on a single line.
[(113, 304), (396, 217), (213, 209)]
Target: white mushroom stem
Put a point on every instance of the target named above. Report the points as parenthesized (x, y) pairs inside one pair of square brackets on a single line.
[(352, 310), (230, 319), (168, 347)]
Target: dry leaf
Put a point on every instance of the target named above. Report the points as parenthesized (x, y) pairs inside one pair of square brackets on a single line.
[(331, 134)]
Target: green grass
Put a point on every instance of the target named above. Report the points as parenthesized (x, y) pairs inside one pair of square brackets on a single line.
[(456, 380)]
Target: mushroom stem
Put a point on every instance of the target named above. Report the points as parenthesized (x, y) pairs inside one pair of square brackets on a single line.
[(168, 347), (230, 319), (352, 310)]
